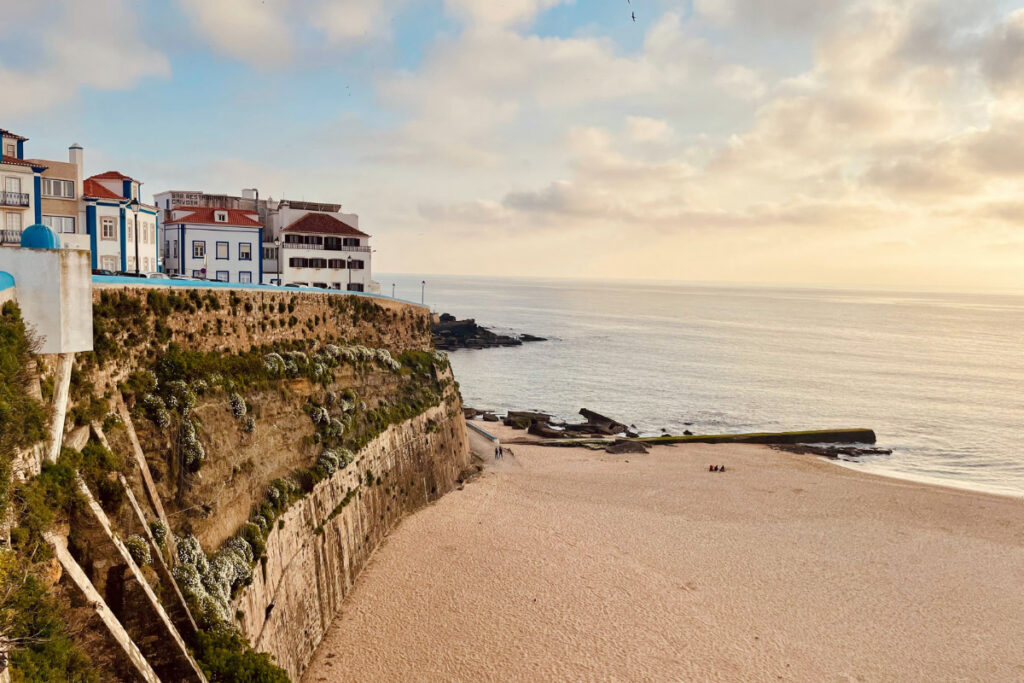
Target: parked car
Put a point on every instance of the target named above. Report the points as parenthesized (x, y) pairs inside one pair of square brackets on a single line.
[(102, 271), (155, 276), (182, 277), (297, 284), (129, 273)]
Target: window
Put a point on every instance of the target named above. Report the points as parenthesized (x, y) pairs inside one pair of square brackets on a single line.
[(355, 287), (62, 189), (336, 263), (298, 262), (60, 223), (332, 244), (174, 249), (198, 249), (355, 264), (9, 150), (222, 276), (197, 273), (14, 221), (269, 253), (108, 228), (166, 250), (245, 276), (129, 231), (220, 216), (222, 251), (244, 251), (350, 241), (12, 184), (108, 262)]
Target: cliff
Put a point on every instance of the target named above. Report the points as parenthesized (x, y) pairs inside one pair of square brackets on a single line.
[(234, 458)]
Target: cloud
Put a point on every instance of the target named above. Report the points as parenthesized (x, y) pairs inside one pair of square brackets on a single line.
[(644, 129), (76, 45), (258, 33), (503, 13)]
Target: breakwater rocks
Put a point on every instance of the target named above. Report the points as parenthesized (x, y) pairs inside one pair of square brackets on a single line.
[(450, 334)]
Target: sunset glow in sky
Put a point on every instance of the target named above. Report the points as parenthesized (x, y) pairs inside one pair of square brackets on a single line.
[(845, 142)]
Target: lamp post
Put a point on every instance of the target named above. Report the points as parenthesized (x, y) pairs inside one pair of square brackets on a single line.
[(423, 292), (278, 254), (134, 205), (348, 265), (392, 290)]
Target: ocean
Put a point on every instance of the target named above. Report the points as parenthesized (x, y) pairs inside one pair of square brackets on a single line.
[(939, 377)]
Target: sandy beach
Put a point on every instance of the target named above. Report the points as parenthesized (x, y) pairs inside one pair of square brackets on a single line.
[(571, 564)]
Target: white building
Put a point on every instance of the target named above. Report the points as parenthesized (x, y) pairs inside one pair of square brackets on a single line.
[(20, 190), (214, 244), (319, 250), (121, 228), (316, 242)]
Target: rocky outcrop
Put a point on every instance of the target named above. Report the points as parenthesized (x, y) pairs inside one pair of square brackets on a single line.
[(450, 334)]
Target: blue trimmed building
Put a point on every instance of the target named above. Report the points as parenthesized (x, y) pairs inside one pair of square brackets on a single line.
[(20, 188), (124, 233), (214, 244)]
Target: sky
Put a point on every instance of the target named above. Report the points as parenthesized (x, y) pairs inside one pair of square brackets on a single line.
[(823, 142)]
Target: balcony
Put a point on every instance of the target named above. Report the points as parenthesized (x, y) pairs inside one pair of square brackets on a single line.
[(10, 236), (14, 199), (320, 247)]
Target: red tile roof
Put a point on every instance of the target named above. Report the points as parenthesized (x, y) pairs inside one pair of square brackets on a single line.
[(20, 162), (9, 134), (204, 216), (91, 188), (323, 224), (112, 175)]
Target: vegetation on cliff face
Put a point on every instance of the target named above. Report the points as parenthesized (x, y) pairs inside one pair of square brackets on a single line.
[(33, 633)]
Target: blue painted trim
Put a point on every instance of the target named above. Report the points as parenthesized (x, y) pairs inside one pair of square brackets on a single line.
[(21, 149), (159, 264), (244, 272), (124, 242), (216, 257), (126, 189), (260, 255), (248, 260), (90, 226), (6, 280), (38, 188), (181, 261), (205, 255), (210, 284), (225, 273)]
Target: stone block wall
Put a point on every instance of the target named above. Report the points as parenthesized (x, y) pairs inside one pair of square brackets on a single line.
[(321, 544)]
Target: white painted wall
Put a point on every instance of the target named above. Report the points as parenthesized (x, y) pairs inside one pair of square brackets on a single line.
[(53, 287), (211, 235)]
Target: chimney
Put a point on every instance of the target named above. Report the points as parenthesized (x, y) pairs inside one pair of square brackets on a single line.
[(75, 156)]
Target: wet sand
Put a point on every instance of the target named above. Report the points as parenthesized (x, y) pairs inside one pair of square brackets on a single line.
[(574, 564)]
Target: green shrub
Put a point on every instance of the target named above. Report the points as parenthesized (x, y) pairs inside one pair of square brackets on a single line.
[(226, 657)]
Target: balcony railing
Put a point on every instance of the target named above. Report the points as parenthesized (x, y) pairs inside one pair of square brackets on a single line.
[(10, 236), (320, 247), (14, 198)]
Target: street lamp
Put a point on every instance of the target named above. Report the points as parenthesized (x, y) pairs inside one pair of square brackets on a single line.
[(348, 265), (134, 205), (278, 255), (423, 292), (392, 290)]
